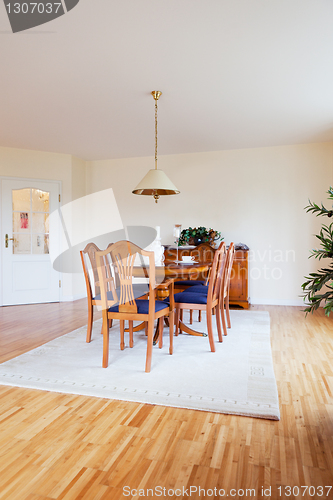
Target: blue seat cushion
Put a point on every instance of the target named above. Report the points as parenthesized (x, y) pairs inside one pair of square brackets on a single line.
[(189, 283), (143, 306), (191, 298), (198, 289), (138, 290)]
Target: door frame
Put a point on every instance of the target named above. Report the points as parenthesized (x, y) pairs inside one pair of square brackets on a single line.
[(28, 179)]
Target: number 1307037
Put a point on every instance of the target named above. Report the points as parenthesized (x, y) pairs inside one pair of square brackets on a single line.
[(305, 491), (33, 8)]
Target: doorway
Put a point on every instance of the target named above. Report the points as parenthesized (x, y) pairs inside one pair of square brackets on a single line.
[(27, 273)]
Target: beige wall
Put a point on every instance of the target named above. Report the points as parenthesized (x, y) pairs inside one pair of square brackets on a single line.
[(256, 196), (70, 171), (78, 190), (78, 178), (37, 165)]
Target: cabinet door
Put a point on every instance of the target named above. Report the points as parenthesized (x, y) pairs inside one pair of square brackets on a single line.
[(238, 281)]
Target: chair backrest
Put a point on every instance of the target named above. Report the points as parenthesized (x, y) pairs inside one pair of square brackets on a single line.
[(90, 251), (117, 264), (204, 253), (216, 273), (228, 268)]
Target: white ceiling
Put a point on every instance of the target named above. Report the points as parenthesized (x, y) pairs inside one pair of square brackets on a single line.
[(234, 74)]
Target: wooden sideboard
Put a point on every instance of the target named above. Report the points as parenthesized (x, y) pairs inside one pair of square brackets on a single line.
[(239, 291)]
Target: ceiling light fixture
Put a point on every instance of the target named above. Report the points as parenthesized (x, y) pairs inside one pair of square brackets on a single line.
[(155, 183)]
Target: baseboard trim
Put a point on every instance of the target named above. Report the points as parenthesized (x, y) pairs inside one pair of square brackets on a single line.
[(71, 298), (271, 302)]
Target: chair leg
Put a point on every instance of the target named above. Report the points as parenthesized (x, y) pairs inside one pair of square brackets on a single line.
[(110, 323), (146, 329), (227, 312), (223, 318), (160, 332), (105, 362), (122, 334), (191, 316), (218, 324), (90, 322), (130, 328), (210, 330), (199, 316), (149, 345), (177, 318), (171, 328), (181, 315)]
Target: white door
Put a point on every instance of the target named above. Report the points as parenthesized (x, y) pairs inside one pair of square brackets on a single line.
[(27, 273)]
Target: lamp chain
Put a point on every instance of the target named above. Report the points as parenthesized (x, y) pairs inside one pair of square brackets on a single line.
[(156, 134)]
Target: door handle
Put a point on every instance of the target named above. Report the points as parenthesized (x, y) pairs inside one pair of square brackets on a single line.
[(7, 239)]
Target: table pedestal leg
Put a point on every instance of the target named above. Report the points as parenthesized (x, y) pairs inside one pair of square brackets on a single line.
[(186, 329)]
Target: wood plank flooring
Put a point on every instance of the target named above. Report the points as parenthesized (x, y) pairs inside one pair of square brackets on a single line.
[(23, 328), (64, 447)]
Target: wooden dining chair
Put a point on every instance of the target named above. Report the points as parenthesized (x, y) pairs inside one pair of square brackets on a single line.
[(202, 253), (125, 260), (223, 291), (207, 300), (225, 288), (92, 288)]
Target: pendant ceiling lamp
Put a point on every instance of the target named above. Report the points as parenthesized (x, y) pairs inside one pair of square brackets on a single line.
[(155, 183)]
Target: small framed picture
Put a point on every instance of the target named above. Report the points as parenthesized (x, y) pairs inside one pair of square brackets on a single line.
[(24, 220)]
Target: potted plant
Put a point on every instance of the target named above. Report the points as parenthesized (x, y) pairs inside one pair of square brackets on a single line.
[(197, 235), (323, 278)]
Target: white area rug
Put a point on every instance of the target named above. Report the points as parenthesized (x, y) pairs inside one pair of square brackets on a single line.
[(237, 379)]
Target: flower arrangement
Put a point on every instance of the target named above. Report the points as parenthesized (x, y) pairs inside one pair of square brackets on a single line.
[(197, 235)]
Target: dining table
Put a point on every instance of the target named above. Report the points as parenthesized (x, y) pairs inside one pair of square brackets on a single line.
[(179, 271), (171, 270), (175, 270), (183, 270)]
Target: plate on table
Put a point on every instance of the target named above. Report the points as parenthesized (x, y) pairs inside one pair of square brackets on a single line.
[(187, 263)]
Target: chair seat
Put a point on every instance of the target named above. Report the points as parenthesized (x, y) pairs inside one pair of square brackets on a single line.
[(139, 290), (203, 289), (190, 298), (143, 306), (189, 283)]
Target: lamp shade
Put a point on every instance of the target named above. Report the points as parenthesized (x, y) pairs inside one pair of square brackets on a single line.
[(155, 182)]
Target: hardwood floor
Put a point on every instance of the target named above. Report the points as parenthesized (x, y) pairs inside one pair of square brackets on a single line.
[(25, 327), (59, 446)]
